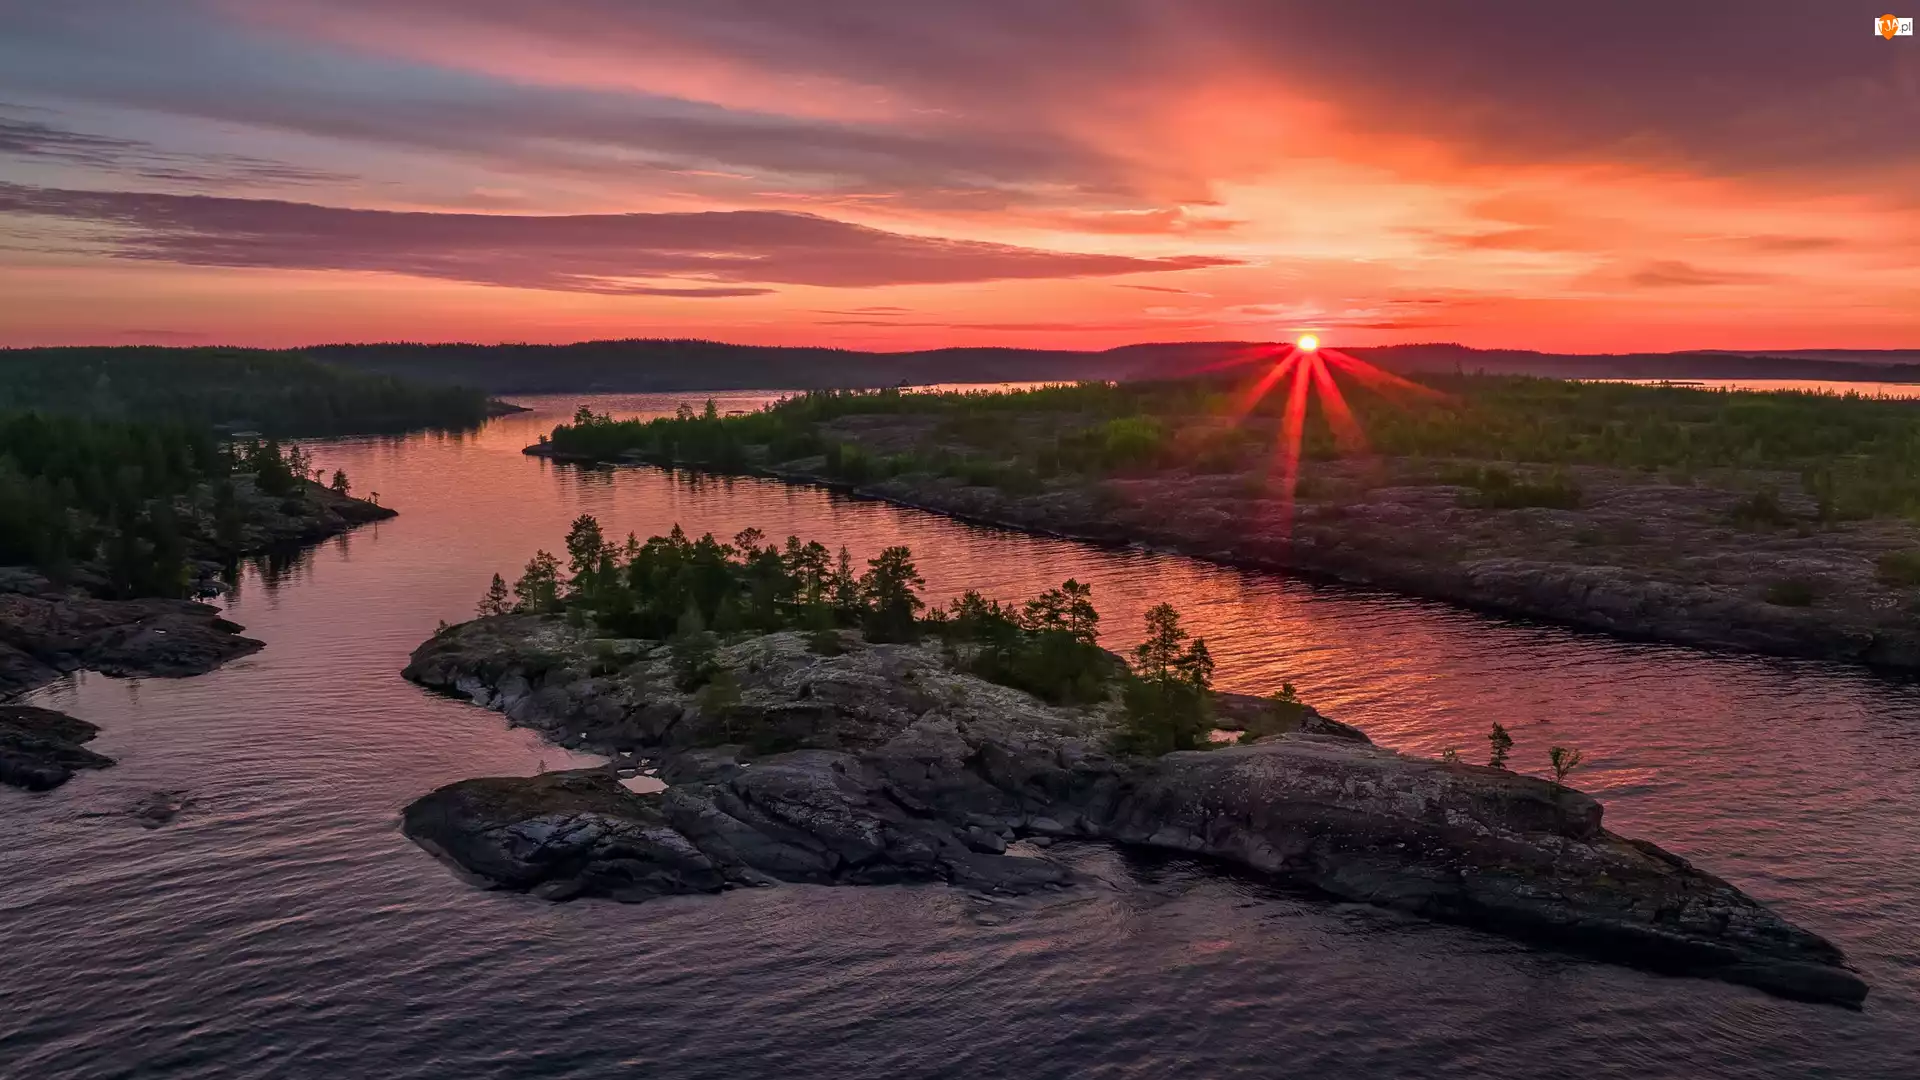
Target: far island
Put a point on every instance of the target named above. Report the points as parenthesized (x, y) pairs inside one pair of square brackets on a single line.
[(814, 721)]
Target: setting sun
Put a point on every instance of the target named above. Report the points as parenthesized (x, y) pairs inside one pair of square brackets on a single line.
[(1308, 343)]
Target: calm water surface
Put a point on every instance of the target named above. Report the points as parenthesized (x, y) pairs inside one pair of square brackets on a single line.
[(282, 926)]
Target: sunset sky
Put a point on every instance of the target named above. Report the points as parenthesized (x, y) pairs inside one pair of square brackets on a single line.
[(1607, 176)]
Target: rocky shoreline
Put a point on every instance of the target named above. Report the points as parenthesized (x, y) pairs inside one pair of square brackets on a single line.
[(885, 764), (1416, 540)]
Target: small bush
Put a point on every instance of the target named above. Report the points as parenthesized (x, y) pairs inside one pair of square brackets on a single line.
[(1496, 489), (1900, 568), (1762, 508), (1792, 592), (693, 659)]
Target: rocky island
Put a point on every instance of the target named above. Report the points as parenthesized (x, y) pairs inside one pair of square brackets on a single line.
[(856, 749), (40, 748), (1776, 523)]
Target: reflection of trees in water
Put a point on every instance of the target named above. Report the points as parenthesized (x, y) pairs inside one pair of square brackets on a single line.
[(591, 477), (697, 481), (280, 566)]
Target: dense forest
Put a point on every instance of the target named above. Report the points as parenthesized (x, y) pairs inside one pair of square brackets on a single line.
[(123, 507), (279, 393), (1860, 456), (696, 594)]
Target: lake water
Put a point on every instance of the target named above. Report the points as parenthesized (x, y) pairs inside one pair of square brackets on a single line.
[(282, 926)]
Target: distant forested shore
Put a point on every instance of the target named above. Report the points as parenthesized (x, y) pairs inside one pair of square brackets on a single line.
[(663, 365), (399, 385)]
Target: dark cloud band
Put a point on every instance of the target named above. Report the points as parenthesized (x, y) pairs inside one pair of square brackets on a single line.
[(727, 253)]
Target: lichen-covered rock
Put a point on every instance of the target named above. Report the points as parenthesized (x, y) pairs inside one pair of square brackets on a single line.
[(884, 764)]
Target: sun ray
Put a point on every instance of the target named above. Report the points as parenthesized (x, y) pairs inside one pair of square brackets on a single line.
[(1266, 383), (1293, 427), (1377, 378), (1346, 429), (1241, 359)]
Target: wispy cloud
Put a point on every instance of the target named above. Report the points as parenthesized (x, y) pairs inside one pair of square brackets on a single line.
[(31, 139), (730, 253), (1672, 273)]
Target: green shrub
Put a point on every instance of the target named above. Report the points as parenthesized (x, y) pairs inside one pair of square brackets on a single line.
[(1900, 568), (1762, 508), (1130, 441)]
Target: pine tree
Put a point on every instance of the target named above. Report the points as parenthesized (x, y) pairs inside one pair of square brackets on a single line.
[(844, 594), (538, 589), (1167, 698), (587, 554), (1501, 744), (1082, 621), (496, 601), (890, 589)]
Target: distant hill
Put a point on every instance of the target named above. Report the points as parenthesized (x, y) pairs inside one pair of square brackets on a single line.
[(279, 393), (654, 365)]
